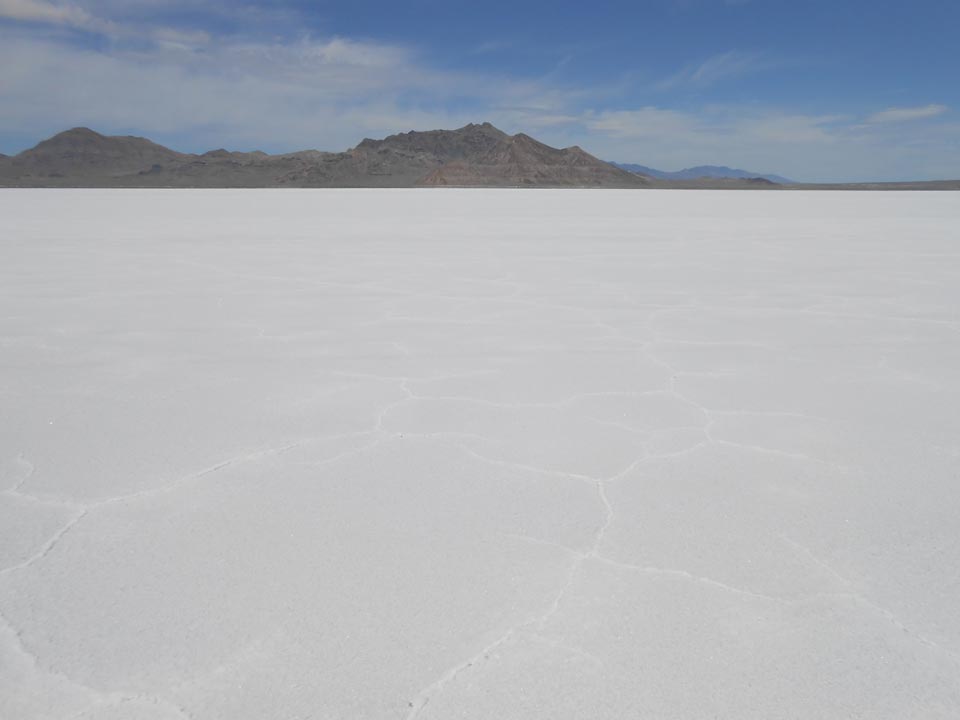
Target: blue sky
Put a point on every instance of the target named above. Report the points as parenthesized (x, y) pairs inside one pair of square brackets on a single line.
[(813, 89)]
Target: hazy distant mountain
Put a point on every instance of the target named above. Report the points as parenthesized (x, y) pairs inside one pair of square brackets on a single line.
[(477, 155), (703, 171)]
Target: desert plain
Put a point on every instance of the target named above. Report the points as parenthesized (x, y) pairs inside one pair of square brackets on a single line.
[(433, 454)]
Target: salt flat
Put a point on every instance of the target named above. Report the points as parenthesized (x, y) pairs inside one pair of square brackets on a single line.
[(479, 454)]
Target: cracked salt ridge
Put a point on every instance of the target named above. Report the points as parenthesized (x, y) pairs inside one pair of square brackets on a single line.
[(857, 597), (711, 439), (423, 698), (100, 698), (96, 697), (378, 428), (651, 569), (671, 391), (711, 420), (683, 574), (17, 489), (27, 470), (645, 346), (86, 509), (706, 428)]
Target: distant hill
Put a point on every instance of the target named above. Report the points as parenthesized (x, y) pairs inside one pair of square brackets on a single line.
[(522, 161), (704, 171), (474, 155), (84, 152)]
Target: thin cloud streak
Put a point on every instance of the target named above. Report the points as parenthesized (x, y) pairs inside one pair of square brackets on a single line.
[(714, 69), (897, 115), (43, 12)]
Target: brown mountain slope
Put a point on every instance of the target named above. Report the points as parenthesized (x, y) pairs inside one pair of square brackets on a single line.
[(83, 158), (477, 155), (468, 142), (471, 156), (522, 161), (402, 160), (82, 151)]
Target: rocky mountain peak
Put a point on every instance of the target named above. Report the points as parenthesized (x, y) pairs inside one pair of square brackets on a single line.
[(476, 154)]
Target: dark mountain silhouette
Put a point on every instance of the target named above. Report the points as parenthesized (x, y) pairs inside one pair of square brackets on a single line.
[(474, 155)]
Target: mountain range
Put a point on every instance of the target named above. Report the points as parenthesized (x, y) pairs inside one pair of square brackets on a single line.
[(471, 156), (704, 171), (474, 155)]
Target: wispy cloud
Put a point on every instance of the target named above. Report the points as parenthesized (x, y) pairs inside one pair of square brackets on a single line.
[(489, 47), (276, 93), (41, 11), (87, 19), (906, 114), (725, 65), (711, 128), (715, 69), (828, 147), (643, 123)]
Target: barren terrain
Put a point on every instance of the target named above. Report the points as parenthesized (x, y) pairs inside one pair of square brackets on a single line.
[(479, 454)]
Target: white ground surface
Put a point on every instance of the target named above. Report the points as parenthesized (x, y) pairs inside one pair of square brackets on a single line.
[(470, 454)]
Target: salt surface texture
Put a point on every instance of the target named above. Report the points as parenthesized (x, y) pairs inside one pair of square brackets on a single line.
[(479, 454)]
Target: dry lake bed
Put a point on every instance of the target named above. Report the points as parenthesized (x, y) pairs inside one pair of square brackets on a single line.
[(349, 455)]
